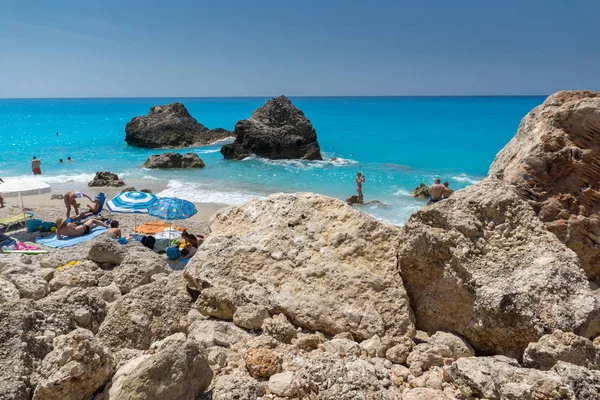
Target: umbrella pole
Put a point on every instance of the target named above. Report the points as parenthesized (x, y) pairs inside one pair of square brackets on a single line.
[(22, 205)]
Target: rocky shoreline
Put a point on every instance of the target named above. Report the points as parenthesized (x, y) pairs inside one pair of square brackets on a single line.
[(300, 296)]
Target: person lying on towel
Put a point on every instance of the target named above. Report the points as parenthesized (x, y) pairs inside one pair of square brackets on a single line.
[(71, 229)]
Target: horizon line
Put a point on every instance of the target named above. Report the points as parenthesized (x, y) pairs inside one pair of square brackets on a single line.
[(271, 96)]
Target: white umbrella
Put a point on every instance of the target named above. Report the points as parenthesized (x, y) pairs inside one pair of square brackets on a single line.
[(22, 188)]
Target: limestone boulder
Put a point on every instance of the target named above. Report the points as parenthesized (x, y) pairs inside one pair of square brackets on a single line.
[(250, 316), (482, 265), (175, 369), (103, 178), (583, 382), (147, 314), (8, 291), (423, 393), (458, 346), (137, 267), (85, 274), (554, 163), (17, 323), (210, 333), (277, 130), (304, 255), (562, 346), (174, 160), (261, 363), (237, 387), (280, 328), (30, 286), (170, 126), (77, 366), (105, 251), (500, 377)]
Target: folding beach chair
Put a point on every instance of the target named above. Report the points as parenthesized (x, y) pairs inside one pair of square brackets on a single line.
[(15, 220)]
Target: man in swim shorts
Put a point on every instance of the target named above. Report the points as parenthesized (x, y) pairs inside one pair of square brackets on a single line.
[(438, 192), (360, 178), (36, 166), (70, 200), (72, 230), (1, 198)]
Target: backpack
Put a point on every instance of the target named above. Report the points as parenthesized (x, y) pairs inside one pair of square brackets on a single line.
[(149, 241)]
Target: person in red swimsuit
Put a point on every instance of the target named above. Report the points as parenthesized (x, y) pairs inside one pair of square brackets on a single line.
[(35, 166)]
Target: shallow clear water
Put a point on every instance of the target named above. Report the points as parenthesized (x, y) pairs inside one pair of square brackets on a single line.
[(397, 142)]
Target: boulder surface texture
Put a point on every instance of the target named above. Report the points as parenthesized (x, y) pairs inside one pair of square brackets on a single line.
[(106, 179), (277, 130), (482, 265), (554, 163), (304, 255), (170, 126)]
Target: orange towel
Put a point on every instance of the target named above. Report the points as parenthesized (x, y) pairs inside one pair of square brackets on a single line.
[(150, 228)]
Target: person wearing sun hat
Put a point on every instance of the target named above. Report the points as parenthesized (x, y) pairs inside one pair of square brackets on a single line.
[(64, 228)]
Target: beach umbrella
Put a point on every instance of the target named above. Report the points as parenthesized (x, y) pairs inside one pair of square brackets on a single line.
[(172, 208), (131, 203), (24, 187)]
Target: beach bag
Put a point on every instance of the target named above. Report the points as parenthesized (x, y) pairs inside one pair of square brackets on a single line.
[(173, 253), (34, 225), (149, 242)]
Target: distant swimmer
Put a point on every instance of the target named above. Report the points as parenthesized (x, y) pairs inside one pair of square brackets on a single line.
[(60, 161), (360, 179), (69, 159), (35, 166), (56, 133), (438, 192)]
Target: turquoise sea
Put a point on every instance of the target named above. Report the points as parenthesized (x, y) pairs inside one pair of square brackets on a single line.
[(397, 142)]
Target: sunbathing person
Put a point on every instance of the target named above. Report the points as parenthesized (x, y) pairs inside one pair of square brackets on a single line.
[(70, 200), (114, 231), (72, 230), (189, 252)]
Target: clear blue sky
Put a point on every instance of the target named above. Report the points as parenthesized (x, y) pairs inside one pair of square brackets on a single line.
[(66, 48)]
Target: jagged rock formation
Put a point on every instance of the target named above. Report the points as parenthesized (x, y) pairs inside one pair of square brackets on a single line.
[(303, 255), (170, 126), (106, 179), (174, 160), (421, 191), (277, 130), (554, 163), (482, 265)]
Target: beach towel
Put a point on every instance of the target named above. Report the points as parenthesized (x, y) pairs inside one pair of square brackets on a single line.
[(52, 241), (151, 228)]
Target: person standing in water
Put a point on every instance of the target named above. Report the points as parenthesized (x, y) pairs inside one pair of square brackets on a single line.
[(35, 166), (360, 178)]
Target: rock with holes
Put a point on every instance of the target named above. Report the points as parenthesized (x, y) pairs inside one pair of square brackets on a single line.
[(77, 366), (554, 163), (482, 265), (147, 314), (174, 369), (8, 291), (325, 266), (562, 346), (30, 286), (174, 160), (261, 363)]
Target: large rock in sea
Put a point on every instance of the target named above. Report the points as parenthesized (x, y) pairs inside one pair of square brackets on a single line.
[(170, 126), (554, 163), (106, 179), (482, 265), (174, 160), (277, 130), (315, 259)]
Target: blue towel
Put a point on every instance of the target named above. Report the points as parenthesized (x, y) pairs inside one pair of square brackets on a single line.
[(52, 241)]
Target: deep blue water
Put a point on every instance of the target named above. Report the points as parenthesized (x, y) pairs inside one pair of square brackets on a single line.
[(397, 142)]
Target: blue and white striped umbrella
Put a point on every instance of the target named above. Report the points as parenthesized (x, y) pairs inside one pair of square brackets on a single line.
[(131, 202)]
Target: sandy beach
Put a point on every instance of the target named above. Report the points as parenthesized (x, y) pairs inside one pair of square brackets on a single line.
[(47, 209)]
